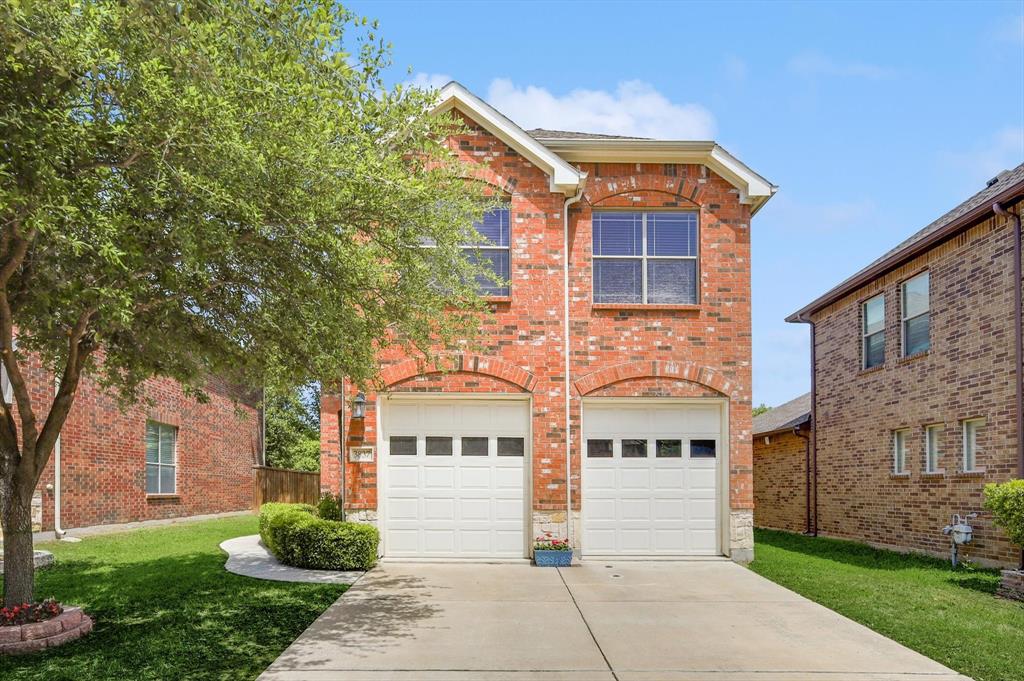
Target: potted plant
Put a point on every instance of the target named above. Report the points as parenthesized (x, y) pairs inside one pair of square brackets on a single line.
[(551, 552)]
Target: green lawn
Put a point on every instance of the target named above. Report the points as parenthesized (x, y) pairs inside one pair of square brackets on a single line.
[(951, 616), (165, 608)]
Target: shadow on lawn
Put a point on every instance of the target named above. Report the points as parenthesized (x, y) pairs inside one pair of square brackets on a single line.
[(181, 616), (863, 556)]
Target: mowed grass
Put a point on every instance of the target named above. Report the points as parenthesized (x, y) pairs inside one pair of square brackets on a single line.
[(165, 608), (952, 616)]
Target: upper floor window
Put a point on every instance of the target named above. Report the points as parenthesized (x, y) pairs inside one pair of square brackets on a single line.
[(899, 452), (915, 315), (645, 257), (972, 448), (873, 331), (492, 250), (161, 458)]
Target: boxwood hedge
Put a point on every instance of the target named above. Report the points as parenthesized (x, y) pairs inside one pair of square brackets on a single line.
[(298, 537)]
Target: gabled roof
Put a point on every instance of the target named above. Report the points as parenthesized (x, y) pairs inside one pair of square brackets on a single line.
[(786, 416), (555, 150), (1006, 187), (564, 178)]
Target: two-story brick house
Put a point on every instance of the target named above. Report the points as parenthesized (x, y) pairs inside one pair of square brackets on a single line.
[(611, 400), (916, 382)]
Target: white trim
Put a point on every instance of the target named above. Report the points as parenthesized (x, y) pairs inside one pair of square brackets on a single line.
[(899, 451), (564, 178), (969, 427), (903, 312), (931, 439), (864, 335)]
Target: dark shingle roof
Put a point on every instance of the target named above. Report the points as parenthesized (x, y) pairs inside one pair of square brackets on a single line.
[(994, 187), (541, 134), (785, 416)]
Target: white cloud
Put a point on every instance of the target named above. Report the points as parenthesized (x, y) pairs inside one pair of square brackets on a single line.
[(429, 81), (811, 64), (635, 108), (1004, 149)]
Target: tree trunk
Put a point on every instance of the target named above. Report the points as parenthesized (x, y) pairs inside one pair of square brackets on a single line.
[(19, 563)]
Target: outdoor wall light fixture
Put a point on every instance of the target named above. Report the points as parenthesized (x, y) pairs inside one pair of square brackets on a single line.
[(359, 405)]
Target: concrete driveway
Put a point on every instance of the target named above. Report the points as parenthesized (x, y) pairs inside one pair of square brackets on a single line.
[(624, 621)]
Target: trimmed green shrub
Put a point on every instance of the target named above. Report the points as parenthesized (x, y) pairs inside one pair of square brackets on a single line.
[(1006, 503), (297, 536), (329, 508)]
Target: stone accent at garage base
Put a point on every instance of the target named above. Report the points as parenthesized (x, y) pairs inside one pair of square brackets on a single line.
[(741, 536), (1012, 585), (553, 522), (29, 638), (362, 515)]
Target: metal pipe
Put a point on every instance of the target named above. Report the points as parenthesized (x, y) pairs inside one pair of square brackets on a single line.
[(1018, 313), (58, 531), (565, 341), (807, 474)]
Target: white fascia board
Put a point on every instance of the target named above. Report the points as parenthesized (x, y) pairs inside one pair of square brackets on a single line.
[(754, 189), (563, 177)]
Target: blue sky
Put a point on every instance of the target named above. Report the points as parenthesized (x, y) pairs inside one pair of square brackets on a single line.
[(873, 118)]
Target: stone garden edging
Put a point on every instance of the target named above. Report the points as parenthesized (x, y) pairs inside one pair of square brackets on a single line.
[(19, 639)]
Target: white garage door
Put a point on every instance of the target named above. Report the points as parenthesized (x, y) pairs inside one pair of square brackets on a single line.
[(452, 477), (650, 479)]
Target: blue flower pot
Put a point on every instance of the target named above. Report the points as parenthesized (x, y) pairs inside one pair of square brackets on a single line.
[(552, 558)]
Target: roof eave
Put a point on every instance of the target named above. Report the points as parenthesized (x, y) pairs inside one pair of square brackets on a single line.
[(867, 275), (788, 428)]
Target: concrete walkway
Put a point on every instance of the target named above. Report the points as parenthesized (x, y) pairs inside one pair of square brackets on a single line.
[(602, 621), (247, 556)]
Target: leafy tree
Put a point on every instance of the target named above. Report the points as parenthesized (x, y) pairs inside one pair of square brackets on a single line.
[(761, 409), (293, 429), (214, 187)]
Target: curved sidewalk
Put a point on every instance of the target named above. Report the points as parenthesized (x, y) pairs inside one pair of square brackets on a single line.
[(248, 557)]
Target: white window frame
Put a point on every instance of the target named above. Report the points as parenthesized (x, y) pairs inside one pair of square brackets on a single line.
[(899, 451), (475, 248), (160, 466), (970, 429), (904, 319), (864, 335), (6, 387), (932, 432), (644, 257)]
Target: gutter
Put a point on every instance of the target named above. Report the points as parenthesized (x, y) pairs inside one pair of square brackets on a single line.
[(566, 350), (807, 475), (58, 531), (812, 457), (964, 222), (1018, 313)]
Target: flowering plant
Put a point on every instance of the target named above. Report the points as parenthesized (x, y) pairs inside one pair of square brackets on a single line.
[(30, 612), (547, 542)]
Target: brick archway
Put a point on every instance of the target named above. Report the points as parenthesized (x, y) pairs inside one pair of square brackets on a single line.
[(478, 364), (683, 188), (686, 371)]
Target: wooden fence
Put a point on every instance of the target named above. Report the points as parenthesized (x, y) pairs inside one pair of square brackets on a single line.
[(280, 484)]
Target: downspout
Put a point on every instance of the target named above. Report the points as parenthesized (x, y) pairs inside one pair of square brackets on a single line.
[(812, 528), (566, 351), (58, 531), (1018, 313), (807, 475), (341, 453)]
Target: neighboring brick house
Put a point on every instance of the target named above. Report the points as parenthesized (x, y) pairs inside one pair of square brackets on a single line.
[(916, 381), (649, 398), (783, 470), (166, 456)]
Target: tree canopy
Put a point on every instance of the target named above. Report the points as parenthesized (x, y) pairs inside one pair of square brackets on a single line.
[(292, 429), (215, 187)]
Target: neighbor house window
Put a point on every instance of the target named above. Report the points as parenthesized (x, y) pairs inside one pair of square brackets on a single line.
[(6, 389), (492, 251), (899, 452), (645, 257), (915, 315), (873, 332), (161, 458), (971, 447), (931, 447)]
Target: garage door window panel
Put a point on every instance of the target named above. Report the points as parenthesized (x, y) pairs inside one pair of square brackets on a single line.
[(402, 445), (511, 446), (669, 449), (703, 449), (599, 449), (439, 446), (634, 449), (474, 446)]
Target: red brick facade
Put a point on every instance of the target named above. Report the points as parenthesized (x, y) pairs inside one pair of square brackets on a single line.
[(967, 373), (616, 350), (103, 454)]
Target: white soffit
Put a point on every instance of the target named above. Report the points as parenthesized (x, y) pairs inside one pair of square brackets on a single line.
[(754, 189), (564, 178)]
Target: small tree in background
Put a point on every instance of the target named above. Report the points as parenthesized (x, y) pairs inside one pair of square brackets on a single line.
[(292, 428), (761, 409), (1005, 501), (209, 188)]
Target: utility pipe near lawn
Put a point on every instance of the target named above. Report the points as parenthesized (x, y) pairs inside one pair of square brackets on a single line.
[(58, 531), (807, 474), (566, 351), (1018, 315)]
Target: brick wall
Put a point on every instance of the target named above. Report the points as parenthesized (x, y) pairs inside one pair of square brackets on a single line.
[(967, 373), (670, 351), (103, 453), (780, 482)]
